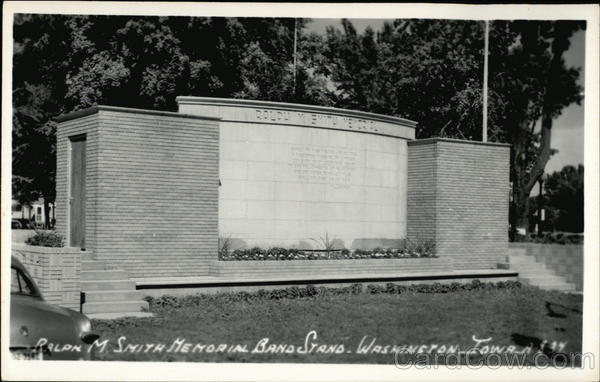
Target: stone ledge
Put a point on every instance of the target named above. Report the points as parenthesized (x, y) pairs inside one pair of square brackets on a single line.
[(331, 262), (428, 141), (291, 106), (50, 250), (312, 268), (306, 116), (204, 283), (95, 109)]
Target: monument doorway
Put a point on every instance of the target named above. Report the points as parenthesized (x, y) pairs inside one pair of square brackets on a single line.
[(77, 192)]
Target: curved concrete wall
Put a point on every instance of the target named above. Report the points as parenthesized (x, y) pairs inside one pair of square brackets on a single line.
[(291, 173)]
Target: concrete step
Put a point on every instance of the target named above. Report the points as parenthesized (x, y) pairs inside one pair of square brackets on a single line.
[(107, 285), (534, 272), (537, 280), (535, 277), (115, 306), (112, 316), (106, 274), (87, 255), (525, 266), (563, 287), (113, 295), (93, 265), (520, 259)]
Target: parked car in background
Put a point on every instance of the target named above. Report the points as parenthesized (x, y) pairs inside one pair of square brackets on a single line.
[(39, 330)]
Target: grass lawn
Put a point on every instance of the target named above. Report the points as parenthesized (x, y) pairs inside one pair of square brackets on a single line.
[(514, 317)]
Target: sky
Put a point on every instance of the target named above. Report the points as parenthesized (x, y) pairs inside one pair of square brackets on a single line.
[(567, 131)]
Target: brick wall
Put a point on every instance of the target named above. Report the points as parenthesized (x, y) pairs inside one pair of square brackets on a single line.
[(152, 189), (56, 272), (458, 193), (421, 192), (565, 260)]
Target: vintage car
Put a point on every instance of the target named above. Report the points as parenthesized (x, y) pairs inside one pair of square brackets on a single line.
[(39, 330)]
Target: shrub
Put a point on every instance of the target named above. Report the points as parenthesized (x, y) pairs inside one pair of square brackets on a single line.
[(327, 243), (419, 249), (356, 288), (420, 246), (45, 239), (310, 291), (374, 289), (416, 248), (224, 246), (551, 238)]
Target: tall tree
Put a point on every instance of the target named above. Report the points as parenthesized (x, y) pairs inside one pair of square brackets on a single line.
[(563, 199), (431, 71), (424, 70), (65, 63), (530, 86), (41, 44)]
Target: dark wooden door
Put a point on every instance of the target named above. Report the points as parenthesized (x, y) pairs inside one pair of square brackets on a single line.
[(77, 200)]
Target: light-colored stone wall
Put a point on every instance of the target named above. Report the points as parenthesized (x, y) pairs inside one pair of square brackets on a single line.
[(284, 184), (288, 181), (56, 271)]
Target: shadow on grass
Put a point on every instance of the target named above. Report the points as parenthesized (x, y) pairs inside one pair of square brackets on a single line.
[(556, 311), (553, 313), (555, 359), (534, 342)]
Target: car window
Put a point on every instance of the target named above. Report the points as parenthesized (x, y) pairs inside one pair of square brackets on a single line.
[(14, 281), (19, 283)]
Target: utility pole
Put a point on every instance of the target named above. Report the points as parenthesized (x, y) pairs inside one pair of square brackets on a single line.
[(485, 80)]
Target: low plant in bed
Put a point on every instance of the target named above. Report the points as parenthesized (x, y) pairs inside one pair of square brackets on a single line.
[(45, 239), (279, 253)]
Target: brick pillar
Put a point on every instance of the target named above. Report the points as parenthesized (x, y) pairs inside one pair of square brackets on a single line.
[(458, 196)]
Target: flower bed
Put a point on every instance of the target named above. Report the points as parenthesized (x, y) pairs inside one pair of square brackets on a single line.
[(278, 253), (312, 291)]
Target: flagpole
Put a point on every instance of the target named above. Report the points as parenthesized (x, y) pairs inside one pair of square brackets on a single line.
[(485, 80), (295, 47)]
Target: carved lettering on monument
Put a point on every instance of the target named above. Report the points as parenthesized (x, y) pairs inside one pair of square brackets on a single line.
[(329, 165), (272, 115), (315, 119)]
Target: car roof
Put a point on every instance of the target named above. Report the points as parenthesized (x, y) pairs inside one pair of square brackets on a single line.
[(16, 262)]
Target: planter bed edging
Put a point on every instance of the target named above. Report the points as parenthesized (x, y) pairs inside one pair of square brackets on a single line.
[(258, 268)]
